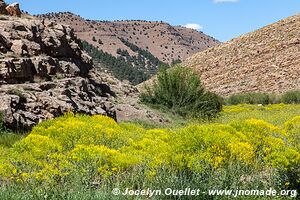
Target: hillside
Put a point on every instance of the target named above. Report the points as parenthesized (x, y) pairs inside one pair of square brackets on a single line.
[(266, 60), (144, 45), (164, 41)]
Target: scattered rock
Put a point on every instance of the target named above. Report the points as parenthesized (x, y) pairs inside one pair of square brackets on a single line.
[(126, 102)]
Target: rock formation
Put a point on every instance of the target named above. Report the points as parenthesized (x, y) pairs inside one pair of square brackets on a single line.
[(14, 10), (44, 73), (39, 50)]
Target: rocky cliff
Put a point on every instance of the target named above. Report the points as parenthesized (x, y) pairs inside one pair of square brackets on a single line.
[(266, 60), (44, 73)]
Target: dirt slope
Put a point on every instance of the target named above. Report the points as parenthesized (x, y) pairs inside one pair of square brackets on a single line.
[(164, 41), (266, 60)]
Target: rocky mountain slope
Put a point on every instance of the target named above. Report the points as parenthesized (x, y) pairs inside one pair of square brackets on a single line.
[(44, 73), (266, 60), (164, 41)]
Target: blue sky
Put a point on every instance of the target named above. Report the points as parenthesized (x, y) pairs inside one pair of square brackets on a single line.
[(223, 20)]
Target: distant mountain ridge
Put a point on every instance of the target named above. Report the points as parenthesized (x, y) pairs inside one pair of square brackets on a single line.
[(164, 41), (266, 60)]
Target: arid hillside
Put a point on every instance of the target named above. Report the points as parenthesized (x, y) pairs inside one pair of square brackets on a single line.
[(164, 41), (266, 60)]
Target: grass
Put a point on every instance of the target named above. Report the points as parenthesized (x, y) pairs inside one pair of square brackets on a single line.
[(289, 97), (275, 114), (7, 138)]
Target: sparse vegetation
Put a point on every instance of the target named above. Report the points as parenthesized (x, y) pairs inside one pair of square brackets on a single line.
[(135, 69), (176, 62), (249, 98), (100, 41), (16, 92), (290, 97)]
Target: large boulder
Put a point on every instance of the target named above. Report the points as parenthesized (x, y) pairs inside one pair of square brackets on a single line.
[(14, 10)]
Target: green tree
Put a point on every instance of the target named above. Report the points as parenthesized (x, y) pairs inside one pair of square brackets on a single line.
[(100, 41), (119, 67)]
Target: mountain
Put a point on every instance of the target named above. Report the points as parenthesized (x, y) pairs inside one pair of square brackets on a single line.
[(143, 45), (45, 73), (164, 41), (266, 60)]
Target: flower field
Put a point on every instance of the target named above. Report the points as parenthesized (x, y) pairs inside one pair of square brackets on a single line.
[(247, 147)]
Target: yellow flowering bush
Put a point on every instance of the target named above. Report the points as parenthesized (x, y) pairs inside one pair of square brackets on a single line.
[(97, 148), (292, 128), (243, 152)]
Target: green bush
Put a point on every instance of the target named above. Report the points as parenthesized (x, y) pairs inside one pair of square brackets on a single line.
[(249, 98), (291, 97), (180, 90), (274, 99)]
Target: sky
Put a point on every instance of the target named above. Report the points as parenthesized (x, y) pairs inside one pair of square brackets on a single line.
[(222, 19)]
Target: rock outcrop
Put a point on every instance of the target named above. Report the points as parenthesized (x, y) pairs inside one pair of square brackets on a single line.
[(39, 50), (14, 10), (44, 73), (25, 105), (266, 60)]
